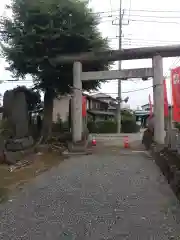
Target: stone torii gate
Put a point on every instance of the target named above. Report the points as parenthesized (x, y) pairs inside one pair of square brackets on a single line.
[(156, 72)]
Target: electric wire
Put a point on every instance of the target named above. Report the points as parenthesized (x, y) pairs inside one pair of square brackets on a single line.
[(130, 12), (140, 21), (110, 5), (140, 10), (145, 40), (151, 16)]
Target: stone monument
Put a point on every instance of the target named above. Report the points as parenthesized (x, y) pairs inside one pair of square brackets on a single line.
[(16, 115)]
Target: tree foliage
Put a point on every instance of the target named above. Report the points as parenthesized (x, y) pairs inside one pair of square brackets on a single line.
[(41, 30)]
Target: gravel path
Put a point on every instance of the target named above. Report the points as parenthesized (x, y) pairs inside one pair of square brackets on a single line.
[(93, 198)]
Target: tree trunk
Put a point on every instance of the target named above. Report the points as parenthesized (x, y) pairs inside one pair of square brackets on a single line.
[(48, 111)]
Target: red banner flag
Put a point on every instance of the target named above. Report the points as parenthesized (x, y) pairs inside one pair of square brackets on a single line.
[(165, 100), (175, 81), (84, 106), (150, 106)]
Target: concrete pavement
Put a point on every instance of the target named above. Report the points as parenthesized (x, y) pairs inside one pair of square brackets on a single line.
[(120, 195), (117, 140)]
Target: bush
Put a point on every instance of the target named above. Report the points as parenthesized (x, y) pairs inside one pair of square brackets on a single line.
[(128, 126), (102, 127)]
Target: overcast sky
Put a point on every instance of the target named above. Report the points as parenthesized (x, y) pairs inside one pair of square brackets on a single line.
[(147, 27)]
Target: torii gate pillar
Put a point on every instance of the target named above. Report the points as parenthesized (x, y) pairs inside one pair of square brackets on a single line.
[(77, 103), (158, 93)]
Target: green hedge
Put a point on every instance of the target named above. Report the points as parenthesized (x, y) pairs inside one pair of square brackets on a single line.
[(102, 127), (128, 126)]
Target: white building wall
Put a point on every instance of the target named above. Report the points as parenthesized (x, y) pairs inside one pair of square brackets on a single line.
[(61, 108)]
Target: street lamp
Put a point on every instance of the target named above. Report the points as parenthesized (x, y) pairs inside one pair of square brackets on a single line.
[(123, 100)]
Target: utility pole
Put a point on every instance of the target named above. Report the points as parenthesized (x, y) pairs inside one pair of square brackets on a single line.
[(119, 67)]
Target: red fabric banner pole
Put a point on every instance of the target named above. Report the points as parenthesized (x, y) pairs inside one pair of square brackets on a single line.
[(84, 112), (175, 81), (166, 112), (150, 106)]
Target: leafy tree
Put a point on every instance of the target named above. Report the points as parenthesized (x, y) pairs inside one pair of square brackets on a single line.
[(41, 30), (127, 115)]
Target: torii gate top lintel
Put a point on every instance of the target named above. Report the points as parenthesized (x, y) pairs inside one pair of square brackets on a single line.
[(116, 55)]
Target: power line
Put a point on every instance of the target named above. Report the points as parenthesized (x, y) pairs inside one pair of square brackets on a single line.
[(153, 21), (145, 40), (137, 90), (138, 20), (155, 11), (147, 43), (141, 16), (164, 17), (129, 10), (136, 45), (175, 62), (131, 91), (151, 40), (134, 10), (16, 80), (110, 5)]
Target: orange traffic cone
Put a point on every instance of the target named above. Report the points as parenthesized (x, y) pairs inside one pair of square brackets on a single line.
[(93, 142), (126, 142)]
